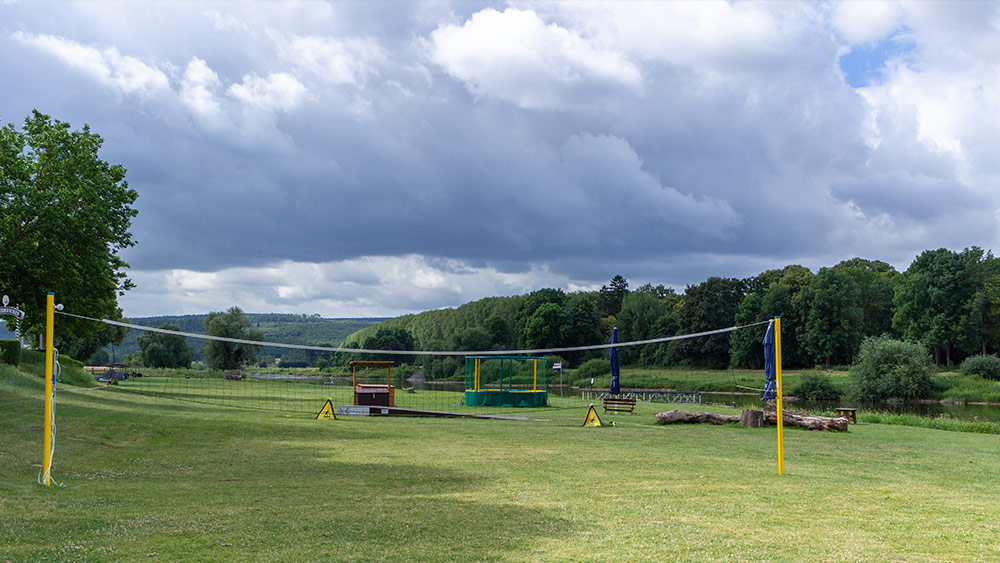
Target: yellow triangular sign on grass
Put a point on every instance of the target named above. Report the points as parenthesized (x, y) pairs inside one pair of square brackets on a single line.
[(326, 413), (592, 419)]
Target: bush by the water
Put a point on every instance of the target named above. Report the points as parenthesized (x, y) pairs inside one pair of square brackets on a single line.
[(593, 368), (816, 387), (891, 370), (986, 366)]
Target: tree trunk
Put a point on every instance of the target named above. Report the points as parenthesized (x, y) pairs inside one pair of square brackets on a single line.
[(789, 418), (947, 354), (937, 356), (752, 419)]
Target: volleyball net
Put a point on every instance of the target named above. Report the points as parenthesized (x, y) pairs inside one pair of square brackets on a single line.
[(375, 382)]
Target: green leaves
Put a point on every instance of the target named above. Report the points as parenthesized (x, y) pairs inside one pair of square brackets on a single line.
[(229, 355), (64, 216)]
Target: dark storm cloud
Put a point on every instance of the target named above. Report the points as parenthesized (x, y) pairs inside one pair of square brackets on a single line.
[(311, 154)]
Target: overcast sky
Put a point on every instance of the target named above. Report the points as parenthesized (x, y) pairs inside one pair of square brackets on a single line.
[(380, 158)]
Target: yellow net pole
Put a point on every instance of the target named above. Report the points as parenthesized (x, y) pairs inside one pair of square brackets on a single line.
[(777, 376), (534, 385), (50, 301)]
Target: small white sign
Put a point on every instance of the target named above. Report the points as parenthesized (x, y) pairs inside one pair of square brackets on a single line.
[(557, 365)]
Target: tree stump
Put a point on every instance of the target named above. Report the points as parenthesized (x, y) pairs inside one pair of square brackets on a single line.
[(752, 418)]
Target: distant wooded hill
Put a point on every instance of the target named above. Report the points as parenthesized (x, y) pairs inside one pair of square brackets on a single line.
[(285, 328)]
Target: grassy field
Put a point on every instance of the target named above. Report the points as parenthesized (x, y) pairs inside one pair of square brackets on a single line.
[(148, 478)]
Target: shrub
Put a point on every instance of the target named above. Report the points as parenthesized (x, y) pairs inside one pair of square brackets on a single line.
[(891, 370), (593, 368), (985, 366), (10, 352), (816, 387)]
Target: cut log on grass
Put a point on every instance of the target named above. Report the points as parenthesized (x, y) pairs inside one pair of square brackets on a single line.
[(789, 418), (803, 420), (679, 417)]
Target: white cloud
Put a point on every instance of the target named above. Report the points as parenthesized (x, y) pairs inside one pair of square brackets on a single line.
[(225, 22), (866, 22), (364, 287), (339, 61), (278, 91), (199, 86), (720, 38), (515, 56), (124, 73), (948, 97)]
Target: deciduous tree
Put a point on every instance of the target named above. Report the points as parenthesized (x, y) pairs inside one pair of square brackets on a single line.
[(65, 214), (230, 355), (159, 350)]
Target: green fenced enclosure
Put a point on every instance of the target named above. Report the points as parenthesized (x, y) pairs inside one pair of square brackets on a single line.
[(506, 381)]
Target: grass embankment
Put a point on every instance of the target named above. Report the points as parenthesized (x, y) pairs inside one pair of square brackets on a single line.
[(707, 381), (947, 386), (149, 478)]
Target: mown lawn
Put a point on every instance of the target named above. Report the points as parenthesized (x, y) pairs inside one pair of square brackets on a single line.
[(148, 478)]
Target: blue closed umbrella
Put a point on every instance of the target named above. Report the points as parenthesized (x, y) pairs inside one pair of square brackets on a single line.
[(770, 390), (615, 370)]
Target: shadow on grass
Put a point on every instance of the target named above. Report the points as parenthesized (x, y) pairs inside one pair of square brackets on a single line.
[(239, 485)]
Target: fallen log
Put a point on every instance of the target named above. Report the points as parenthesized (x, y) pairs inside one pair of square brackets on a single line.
[(809, 421), (681, 417), (789, 418)]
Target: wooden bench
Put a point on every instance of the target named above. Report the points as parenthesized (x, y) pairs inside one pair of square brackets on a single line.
[(619, 404), (850, 414)]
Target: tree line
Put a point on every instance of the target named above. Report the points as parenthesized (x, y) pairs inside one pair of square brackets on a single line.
[(947, 301)]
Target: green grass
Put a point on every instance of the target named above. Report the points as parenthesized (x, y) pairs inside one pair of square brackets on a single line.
[(708, 381), (938, 423), (957, 388), (151, 478)]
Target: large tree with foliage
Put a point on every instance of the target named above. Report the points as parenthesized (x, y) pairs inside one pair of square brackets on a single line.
[(778, 294), (220, 354), (934, 299), (390, 338), (709, 305), (833, 317), (876, 281), (65, 214), (611, 296), (582, 327), (648, 312), (983, 315), (160, 350), (544, 327)]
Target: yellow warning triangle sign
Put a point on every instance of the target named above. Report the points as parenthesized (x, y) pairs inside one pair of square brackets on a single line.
[(592, 419), (326, 413)]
